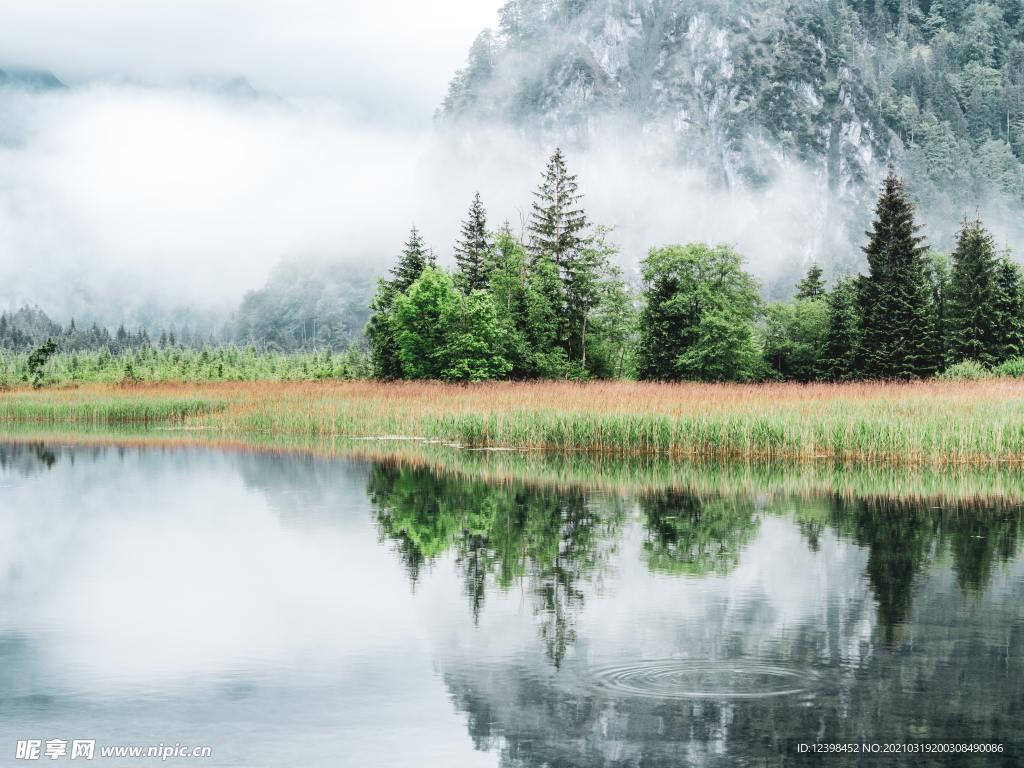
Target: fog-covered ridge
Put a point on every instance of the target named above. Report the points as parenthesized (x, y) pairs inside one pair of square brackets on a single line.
[(744, 90)]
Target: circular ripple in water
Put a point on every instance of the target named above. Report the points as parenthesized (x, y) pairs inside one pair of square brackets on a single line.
[(692, 679)]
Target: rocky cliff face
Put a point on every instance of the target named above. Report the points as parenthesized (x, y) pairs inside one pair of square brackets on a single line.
[(741, 87), (744, 88)]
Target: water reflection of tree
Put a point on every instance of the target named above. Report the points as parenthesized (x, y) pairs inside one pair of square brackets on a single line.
[(959, 681), (554, 540), (26, 458), (693, 535), (904, 537), (501, 535)]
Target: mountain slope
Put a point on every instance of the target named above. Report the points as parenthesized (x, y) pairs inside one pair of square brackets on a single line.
[(743, 88)]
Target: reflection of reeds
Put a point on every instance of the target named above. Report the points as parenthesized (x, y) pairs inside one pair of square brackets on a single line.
[(965, 485), (926, 422)]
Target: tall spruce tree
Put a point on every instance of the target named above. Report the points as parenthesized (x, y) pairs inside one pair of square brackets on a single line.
[(973, 324), (472, 250), (557, 232), (1008, 310), (813, 285), (896, 322), (557, 222), (381, 335)]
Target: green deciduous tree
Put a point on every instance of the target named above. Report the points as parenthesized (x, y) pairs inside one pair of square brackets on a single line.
[(441, 334), (795, 337), (699, 307)]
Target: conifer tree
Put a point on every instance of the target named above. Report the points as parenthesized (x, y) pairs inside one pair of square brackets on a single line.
[(812, 286), (839, 353), (972, 295), (896, 321), (415, 258), (472, 249), (1008, 311), (939, 280), (507, 271), (935, 22), (557, 222), (380, 333), (557, 229)]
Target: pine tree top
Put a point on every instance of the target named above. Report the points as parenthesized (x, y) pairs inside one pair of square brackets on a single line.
[(893, 233), (472, 248), (813, 284), (556, 220), (415, 258)]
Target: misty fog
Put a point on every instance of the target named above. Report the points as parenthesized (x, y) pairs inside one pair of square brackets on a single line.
[(181, 197), (168, 179)]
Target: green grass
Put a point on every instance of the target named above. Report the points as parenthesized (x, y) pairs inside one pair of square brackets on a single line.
[(104, 411)]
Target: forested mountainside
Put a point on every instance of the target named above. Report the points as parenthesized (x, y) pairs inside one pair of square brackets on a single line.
[(305, 305), (744, 87)]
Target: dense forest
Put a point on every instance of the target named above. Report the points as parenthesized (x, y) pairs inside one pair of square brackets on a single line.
[(550, 303)]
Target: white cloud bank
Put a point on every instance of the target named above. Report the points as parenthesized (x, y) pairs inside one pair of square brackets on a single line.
[(171, 197)]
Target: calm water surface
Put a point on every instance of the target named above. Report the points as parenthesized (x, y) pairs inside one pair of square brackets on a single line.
[(290, 611)]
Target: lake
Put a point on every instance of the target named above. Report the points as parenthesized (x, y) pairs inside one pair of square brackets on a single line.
[(288, 610)]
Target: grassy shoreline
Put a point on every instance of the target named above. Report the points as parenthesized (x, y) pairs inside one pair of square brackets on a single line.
[(965, 485), (932, 423)]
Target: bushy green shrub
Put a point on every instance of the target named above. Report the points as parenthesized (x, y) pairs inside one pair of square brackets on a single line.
[(1012, 367), (968, 370)]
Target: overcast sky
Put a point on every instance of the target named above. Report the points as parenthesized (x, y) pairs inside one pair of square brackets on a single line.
[(388, 58)]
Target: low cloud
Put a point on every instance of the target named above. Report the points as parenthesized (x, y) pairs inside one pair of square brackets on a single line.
[(123, 201)]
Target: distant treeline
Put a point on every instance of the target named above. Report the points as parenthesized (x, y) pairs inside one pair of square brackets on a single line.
[(551, 304), (305, 306), (44, 366), (28, 327)]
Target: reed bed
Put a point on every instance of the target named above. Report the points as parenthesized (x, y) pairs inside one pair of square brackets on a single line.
[(71, 407), (934, 422)]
